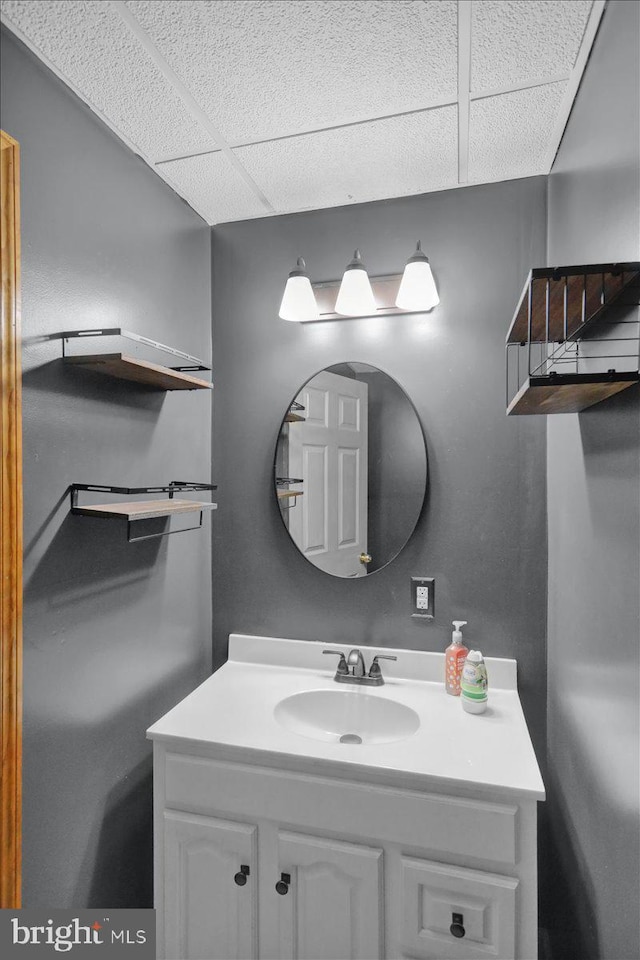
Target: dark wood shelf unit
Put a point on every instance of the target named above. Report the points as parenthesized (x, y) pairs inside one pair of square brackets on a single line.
[(562, 312)]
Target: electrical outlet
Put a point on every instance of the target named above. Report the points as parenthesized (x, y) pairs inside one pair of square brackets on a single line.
[(423, 597)]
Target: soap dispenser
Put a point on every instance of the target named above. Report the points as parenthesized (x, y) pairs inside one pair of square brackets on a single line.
[(455, 656)]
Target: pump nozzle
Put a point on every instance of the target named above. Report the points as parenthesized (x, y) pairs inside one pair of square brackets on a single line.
[(459, 623)]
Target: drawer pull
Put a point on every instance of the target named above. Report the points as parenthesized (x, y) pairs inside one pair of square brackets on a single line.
[(282, 886), (242, 874), (456, 928)]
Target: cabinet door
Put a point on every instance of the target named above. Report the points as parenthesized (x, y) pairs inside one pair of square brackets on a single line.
[(207, 915), (432, 897), (332, 908)]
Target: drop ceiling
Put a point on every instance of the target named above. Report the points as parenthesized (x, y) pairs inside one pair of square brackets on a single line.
[(253, 108)]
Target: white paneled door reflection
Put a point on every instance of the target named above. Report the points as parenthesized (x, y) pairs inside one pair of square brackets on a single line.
[(329, 451)]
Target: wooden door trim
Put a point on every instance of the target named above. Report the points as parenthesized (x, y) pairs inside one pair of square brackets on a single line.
[(11, 531)]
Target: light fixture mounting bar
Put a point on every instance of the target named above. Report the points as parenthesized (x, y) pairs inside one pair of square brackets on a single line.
[(385, 290)]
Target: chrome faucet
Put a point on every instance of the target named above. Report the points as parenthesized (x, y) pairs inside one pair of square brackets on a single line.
[(355, 660), (351, 669)]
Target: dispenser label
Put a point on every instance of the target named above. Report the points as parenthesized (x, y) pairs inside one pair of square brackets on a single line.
[(474, 680)]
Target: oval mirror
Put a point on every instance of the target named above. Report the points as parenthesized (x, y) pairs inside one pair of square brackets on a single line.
[(350, 469)]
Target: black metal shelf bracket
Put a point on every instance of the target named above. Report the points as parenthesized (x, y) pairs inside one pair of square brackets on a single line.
[(192, 364)]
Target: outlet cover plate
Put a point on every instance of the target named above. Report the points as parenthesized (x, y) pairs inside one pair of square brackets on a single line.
[(419, 609)]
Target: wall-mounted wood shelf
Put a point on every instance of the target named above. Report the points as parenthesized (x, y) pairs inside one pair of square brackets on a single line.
[(122, 366), (140, 371), (143, 510), (570, 395), (136, 510), (293, 413), (577, 351), (284, 493)]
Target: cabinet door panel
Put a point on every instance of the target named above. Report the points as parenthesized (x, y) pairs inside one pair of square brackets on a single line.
[(485, 905), (207, 916), (332, 909)]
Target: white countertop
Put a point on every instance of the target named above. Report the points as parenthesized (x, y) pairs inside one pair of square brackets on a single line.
[(232, 713)]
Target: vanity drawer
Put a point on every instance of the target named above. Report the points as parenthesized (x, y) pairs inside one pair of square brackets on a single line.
[(452, 913), (442, 824)]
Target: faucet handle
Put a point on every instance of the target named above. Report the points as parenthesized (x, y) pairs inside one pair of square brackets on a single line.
[(374, 670), (342, 664)]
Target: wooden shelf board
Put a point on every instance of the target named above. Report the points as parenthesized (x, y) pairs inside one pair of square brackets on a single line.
[(143, 509), (613, 288), (140, 371), (294, 418), (287, 494), (571, 394)]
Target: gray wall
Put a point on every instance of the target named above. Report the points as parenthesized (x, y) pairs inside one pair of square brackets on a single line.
[(594, 542), (114, 634), (482, 534)]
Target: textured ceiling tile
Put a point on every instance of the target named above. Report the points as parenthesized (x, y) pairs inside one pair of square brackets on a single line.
[(395, 157), (213, 187), (270, 68), (513, 41), (509, 134), (88, 43)]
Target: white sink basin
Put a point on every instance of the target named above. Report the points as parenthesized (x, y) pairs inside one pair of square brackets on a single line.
[(346, 716)]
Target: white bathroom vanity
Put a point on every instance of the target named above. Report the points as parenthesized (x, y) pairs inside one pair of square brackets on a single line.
[(275, 840)]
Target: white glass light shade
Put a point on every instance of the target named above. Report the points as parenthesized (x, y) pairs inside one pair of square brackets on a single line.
[(355, 296), (417, 287), (298, 301)]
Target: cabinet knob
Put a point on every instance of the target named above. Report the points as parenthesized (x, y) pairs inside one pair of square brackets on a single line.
[(282, 886), (242, 874), (456, 928)]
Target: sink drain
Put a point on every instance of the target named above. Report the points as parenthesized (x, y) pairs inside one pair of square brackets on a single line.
[(350, 738)]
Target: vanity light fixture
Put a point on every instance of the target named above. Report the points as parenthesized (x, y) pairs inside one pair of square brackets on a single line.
[(298, 301), (355, 296), (417, 287), (358, 295)]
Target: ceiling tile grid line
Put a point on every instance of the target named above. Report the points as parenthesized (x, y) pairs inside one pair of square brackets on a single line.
[(464, 84), (525, 85), (187, 97), (311, 133)]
